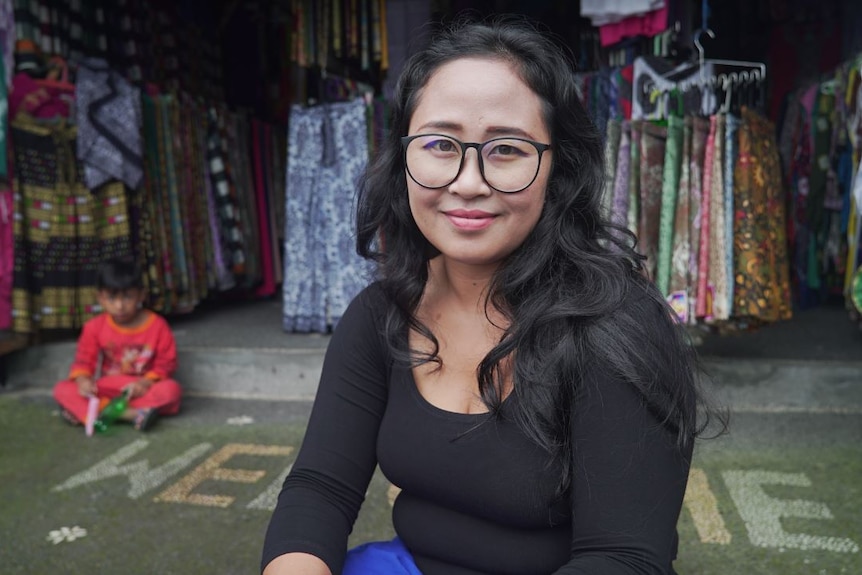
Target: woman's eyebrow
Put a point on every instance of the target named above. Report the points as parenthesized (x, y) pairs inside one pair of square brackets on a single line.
[(491, 131)]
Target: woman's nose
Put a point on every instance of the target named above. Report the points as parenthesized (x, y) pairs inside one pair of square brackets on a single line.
[(470, 181)]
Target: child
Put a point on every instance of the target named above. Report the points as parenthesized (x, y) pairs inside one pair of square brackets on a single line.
[(138, 353)]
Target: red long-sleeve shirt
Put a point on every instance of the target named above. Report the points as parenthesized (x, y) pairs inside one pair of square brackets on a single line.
[(147, 350)]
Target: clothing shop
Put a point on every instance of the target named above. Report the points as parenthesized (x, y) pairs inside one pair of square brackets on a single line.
[(219, 144)]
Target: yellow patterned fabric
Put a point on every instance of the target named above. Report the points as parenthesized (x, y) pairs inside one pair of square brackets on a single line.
[(62, 230), (762, 284)]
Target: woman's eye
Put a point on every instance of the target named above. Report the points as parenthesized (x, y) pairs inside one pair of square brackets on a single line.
[(444, 146), (506, 150)]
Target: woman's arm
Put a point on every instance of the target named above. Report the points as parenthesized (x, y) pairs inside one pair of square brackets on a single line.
[(295, 563), (322, 495), (629, 480)]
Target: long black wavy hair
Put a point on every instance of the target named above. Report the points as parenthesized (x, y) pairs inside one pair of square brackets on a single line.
[(563, 290)]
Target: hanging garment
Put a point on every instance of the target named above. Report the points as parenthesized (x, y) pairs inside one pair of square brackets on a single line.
[(762, 288), (717, 278), (678, 287), (612, 145), (228, 211), (108, 113), (730, 160), (62, 231), (327, 153), (620, 188), (699, 137), (704, 293), (670, 185), (267, 286), (4, 124), (653, 143), (634, 187), (7, 39), (238, 148)]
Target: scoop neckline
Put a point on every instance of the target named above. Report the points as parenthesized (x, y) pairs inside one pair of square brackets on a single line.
[(439, 411)]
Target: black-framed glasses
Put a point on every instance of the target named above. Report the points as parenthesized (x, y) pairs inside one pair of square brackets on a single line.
[(508, 165)]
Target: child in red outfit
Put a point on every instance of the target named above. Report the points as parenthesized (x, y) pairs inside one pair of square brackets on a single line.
[(137, 349)]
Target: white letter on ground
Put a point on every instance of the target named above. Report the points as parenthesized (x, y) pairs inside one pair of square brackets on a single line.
[(141, 477), (762, 514)]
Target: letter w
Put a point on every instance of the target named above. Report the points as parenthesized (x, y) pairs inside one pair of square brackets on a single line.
[(141, 477)]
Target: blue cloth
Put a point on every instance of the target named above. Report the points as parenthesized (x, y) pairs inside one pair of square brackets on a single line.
[(327, 153), (380, 558)]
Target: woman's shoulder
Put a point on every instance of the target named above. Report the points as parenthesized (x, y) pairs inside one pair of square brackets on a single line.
[(368, 306), (372, 299)]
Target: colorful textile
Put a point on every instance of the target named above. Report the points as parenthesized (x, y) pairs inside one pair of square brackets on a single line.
[(267, 286), (699, 137), (620, 188), (717, 278), (228, 211), (8, 36), (653, 143), (762, 288), (730, 160), (612, 145), (678, 286), (670, 185), (634, 187), (62, 230), (704, 294), (649, 24)]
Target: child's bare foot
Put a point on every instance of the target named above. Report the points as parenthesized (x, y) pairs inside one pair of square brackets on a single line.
[(145, 418)]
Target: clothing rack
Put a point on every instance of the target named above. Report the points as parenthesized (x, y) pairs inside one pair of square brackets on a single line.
[(753, 72)]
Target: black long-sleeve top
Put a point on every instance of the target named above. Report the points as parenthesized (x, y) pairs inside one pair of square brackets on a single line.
[(477, 496)]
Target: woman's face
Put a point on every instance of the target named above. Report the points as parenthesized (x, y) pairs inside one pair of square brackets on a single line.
[(475, 100)]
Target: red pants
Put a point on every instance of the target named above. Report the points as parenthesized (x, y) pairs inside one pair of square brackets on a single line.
[(163, 395)]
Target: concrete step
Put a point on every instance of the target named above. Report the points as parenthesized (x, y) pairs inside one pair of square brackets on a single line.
[(282, 373), (292, 373)]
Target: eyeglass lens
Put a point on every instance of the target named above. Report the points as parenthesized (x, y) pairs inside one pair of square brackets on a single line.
[(508, 164)]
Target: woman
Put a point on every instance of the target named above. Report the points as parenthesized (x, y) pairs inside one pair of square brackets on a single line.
[(512, 371)]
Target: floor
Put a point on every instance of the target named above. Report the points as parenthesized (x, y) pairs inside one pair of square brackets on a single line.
[(821, 333)]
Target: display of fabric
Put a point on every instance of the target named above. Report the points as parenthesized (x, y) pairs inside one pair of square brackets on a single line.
[(327, 152), (820, 153), (704, 195)]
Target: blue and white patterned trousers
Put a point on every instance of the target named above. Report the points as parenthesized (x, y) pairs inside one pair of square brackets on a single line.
[(327, 153)]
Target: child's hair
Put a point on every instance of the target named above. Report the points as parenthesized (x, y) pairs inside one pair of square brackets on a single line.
[(119, 274)]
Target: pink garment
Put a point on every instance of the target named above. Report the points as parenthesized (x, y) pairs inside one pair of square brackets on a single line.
[(40, 100), (703, 306), (649, 24), (163, 395), (808, 101), (267, 288)]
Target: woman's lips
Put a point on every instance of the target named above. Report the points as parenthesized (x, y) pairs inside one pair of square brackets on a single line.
[(470, 219)]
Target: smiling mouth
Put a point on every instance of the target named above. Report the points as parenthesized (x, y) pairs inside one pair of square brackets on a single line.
[(470, 220)]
